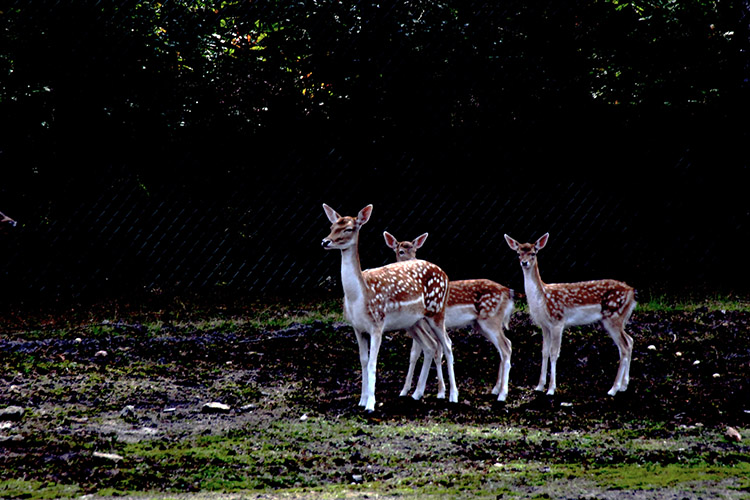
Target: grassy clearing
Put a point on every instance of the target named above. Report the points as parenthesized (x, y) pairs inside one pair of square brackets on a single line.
[(286, 445), (408, 459)]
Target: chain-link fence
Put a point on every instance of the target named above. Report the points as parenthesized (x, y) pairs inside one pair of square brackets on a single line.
[(260, 234)]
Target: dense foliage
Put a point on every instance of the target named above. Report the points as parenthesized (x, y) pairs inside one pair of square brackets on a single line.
[(92, 76)]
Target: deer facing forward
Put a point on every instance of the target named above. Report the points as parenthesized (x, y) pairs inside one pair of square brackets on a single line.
[(554, 306)]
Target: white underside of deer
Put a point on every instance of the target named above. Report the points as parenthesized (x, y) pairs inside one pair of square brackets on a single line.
[(552, 307), (482, 304), (388, 298)]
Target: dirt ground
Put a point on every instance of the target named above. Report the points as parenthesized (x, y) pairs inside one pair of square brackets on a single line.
[(101, 381)]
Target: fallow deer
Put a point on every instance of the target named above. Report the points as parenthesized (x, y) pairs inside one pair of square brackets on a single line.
[(392, 297), (480, 303), (554, 306)]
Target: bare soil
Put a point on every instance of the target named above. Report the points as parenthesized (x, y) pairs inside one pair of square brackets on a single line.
[(94, 386)]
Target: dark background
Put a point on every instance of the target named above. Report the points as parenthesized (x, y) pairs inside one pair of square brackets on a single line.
[(187, 147)]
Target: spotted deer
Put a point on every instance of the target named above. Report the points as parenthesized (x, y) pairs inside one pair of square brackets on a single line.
[(554, 306), (392, 297), (480, 303)]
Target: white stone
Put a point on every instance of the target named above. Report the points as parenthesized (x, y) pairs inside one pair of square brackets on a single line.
[(215, 407)]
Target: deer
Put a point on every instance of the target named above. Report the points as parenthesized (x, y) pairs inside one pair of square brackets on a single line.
[(552, 307), (393, 297), (4, 219), (480, 303)]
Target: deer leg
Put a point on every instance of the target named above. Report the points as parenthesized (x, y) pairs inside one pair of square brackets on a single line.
[(627, 342), (624, 344), (422, 339), (492, 329), (625, 380), (428, 349), (439, 369), (554, 353), (363, 359), (414, 355), (424, 333), (545, 358), (376, 338), (445, 343)]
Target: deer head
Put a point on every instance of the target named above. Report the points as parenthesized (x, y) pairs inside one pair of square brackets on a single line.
[(527, 251), (405, 250), (344, 230)]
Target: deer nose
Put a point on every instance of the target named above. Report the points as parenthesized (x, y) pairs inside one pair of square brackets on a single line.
[(326, 243)]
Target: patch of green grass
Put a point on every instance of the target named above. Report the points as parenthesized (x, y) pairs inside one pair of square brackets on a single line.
[(294, 453), (662, 302), (651, 476), (22, 488), (402, 458), (275, 315)]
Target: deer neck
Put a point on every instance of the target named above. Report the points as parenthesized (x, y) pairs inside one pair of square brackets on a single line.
[(533, 285), (351, 274)]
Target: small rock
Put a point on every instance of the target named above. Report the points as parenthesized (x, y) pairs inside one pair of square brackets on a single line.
[(696, 362), (14, 413), (357, 478), (717, 375), (100, 354), (304, 417), (651, 347), (128, 411), (733, 434), (111, 457), (216, 408)]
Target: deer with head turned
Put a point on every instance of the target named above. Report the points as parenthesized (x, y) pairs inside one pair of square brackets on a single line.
[(480, 303), (392, 297), (554, 306)]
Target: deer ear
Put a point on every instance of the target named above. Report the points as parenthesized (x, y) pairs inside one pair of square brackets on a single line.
[(513, 244), (390, 240), (364, 215), (419, 241), (331, 213), (541, 242)]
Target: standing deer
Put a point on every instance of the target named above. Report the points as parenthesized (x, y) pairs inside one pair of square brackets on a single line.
[(392, 297), (555, 306), (480, 303)]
